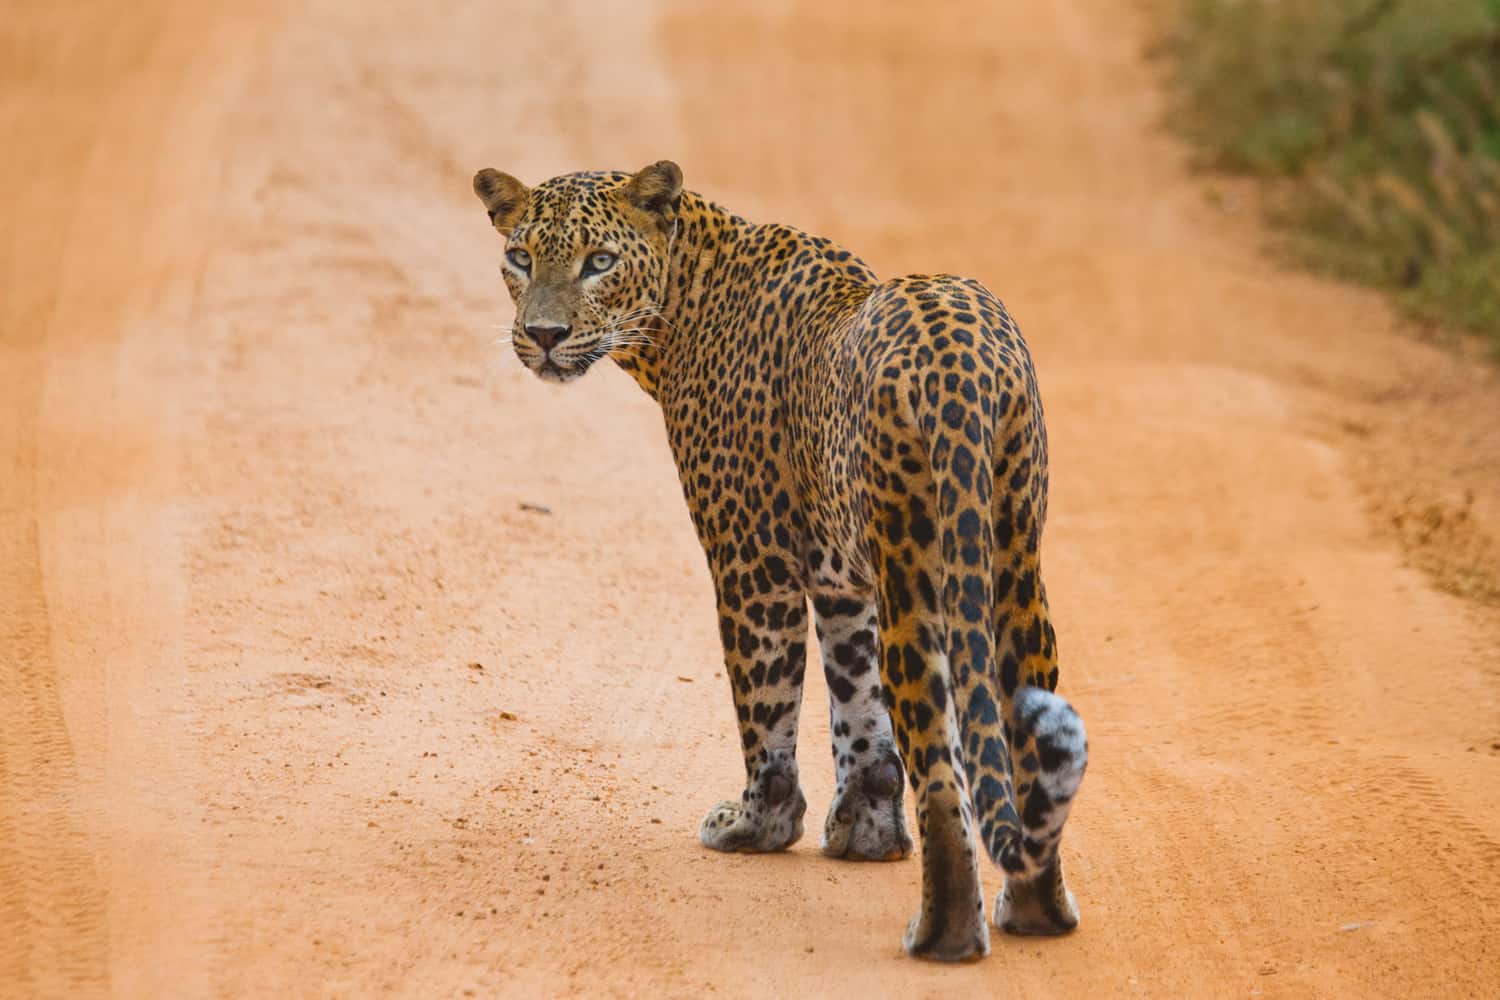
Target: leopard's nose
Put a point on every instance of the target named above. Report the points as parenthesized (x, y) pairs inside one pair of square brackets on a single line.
[(548, 336)]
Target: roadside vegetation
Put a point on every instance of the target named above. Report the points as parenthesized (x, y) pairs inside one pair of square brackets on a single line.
[(1376, 124)]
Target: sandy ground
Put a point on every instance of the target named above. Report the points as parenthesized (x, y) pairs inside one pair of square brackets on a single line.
[(302, 696)]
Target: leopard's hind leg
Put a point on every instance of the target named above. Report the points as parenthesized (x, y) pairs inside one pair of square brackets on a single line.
[(919, 621), (1050, 751), (1047, 744)]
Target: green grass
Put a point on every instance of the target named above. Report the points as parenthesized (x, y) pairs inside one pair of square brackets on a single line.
[(1376, 124)]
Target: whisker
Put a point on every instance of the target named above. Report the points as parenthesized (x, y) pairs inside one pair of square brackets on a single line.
[(616, 343), (656, 310)]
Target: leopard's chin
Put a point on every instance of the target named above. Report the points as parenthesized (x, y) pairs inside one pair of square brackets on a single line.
[(551, 371)]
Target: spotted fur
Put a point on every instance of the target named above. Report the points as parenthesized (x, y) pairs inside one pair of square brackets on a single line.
[(873, 448)]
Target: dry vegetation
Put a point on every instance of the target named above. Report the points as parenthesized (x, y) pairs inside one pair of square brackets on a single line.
[(1377, 124)]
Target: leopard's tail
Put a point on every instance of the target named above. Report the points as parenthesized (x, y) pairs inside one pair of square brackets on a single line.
[(1001, 647), (1047, 727)]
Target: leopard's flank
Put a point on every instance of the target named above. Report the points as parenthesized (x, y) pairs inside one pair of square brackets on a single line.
[(873, 449)]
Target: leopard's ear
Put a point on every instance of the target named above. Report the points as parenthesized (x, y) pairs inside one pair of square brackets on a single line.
[(504, 198), (657, 189)]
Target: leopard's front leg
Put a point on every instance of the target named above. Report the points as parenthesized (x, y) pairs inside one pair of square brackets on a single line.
[(867, 821), (764, 631)]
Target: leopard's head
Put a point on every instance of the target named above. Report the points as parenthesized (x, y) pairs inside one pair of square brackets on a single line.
[(586, 258)]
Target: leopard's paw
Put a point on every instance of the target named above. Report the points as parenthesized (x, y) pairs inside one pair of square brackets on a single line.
[(866, 821), (1040, 906), (959, 936), (767, 818)]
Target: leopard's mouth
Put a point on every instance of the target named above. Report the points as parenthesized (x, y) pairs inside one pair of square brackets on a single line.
[(564, 362), (550, 371)]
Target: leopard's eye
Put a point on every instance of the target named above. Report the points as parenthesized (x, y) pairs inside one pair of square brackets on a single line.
[(520, 259), (598, 263)]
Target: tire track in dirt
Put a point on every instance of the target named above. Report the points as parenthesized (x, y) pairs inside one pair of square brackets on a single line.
[(49, 881), (50, 874), (90, 861)]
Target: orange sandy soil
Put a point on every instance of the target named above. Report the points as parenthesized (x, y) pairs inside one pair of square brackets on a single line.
[(299, 700)]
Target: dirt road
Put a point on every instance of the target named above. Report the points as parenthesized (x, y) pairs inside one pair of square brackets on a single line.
[(342, 657)]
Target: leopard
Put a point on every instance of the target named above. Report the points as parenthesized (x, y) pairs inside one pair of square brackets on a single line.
[(862, 459)]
